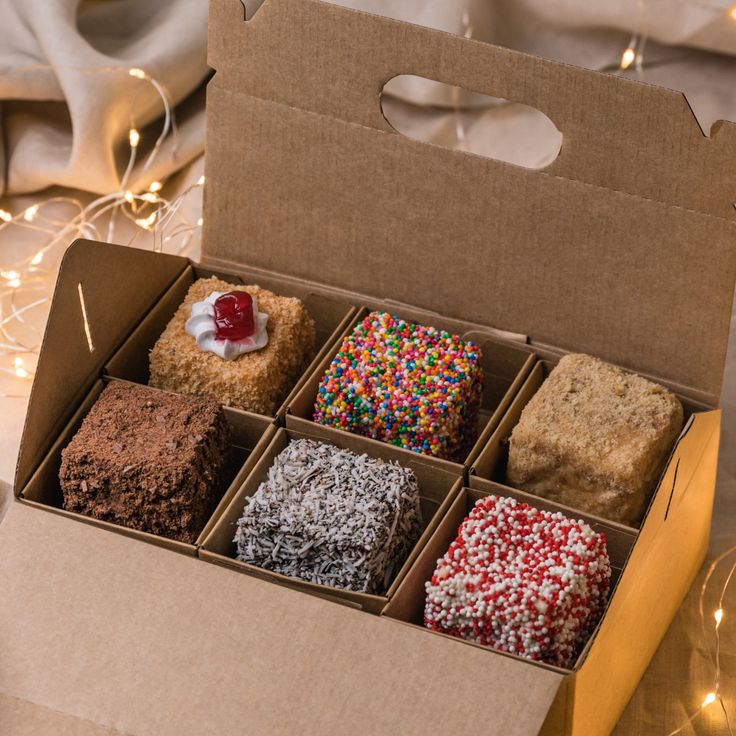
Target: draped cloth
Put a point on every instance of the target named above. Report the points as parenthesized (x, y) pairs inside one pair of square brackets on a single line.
[(67, 100)]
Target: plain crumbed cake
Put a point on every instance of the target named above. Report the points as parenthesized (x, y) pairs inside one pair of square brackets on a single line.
[(594, 437), (147, 459), (257, 381)]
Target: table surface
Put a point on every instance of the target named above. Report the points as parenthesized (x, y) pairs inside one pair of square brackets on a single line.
[(680, 673)]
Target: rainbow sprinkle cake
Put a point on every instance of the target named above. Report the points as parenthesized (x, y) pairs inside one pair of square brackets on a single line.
[(410, 385)]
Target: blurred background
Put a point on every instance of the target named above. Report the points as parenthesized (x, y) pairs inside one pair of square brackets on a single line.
[(102, 119)]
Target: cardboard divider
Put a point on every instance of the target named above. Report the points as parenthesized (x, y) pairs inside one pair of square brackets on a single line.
[(437, 488), (490, 463), (506, 364), (407, 604), (249, 436), (330, 315)]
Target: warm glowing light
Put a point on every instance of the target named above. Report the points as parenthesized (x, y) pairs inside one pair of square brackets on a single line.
[(30, 214), (134, 137), (718, 616), (5, 216), (21, 372), (37, 258), (128, 196), (732, 12), (14, 283), (149, 197), (200, 181), (146, 222), (200, 222), (137, 73), (628, 58), (18, 361), (10, 275), (709, 699), (155, 186)]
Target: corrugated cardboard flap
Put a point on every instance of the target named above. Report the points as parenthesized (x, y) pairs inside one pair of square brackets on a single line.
[(97, 301), (164, 637), (623, 247)]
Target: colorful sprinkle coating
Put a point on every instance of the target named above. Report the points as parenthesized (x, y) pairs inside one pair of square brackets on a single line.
[(410, 385), (521, 580)]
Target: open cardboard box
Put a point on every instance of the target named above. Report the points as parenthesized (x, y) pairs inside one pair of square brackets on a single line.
[(622, 248)]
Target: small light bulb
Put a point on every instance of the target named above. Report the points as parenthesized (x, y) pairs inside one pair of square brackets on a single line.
[(14, 283), (627, 58), (10, 275), (146, 222), (155, 186), (137, 73), (5, 216), (21, 372), (709, 699), (200, 181), (18, 361), (732, 12), (134, 137), (30, 214), (37, 258), (128, 196), (149, 197), (200, 222), (718, 616)]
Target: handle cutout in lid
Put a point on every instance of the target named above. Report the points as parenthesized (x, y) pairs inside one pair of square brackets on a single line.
[(462, 120)]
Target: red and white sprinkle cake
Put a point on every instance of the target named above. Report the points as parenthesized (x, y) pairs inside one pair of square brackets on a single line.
[(529, 582)]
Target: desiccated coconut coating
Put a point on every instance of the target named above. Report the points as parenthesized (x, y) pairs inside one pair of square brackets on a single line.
[(147, 460), (258, 381), (331, 517), (521, 580), (594, 437), (406, 384)]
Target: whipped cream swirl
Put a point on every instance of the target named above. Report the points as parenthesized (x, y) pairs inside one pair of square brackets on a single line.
[(201, 326)]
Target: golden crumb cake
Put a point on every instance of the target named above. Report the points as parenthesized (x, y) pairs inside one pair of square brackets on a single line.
[(594, 437), (242, 345)]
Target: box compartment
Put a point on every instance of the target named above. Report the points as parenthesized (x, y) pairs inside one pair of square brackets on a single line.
[(490, 463), (506, 362), (249, 436), (330, 314), (437, 488), (407, 605)]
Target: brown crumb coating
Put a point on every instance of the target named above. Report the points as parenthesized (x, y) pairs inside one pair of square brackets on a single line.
[(258, 381), (147, 460), (594, 437)]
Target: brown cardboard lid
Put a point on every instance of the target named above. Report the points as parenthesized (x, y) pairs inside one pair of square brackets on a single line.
[(149, 642), (623, 247), (97, 301)]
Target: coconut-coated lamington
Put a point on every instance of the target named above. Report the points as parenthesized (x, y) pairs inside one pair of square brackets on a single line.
[(148, 460), (594, 437), (258, 381)]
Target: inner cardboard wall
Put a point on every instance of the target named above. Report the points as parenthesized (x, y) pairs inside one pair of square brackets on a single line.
[(248, 435), (506, 365), (329, 313), (437, 488), (407, 604)]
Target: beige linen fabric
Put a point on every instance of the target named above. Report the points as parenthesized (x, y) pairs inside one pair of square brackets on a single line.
[(67, 101)]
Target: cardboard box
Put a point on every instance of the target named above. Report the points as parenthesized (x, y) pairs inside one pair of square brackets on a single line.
[(623, 248)]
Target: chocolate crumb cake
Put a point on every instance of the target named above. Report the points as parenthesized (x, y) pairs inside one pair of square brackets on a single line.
[(594, 437), (148, 460)]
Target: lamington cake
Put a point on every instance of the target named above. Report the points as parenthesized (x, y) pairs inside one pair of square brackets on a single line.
[(524, 581), (331, 517), (241, 345), (407, 384), (594, 437), (147, 460)]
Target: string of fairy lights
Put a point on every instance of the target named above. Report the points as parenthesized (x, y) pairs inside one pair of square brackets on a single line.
[(26, 285)]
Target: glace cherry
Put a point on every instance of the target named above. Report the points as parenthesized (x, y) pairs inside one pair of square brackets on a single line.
[(234, 318)]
